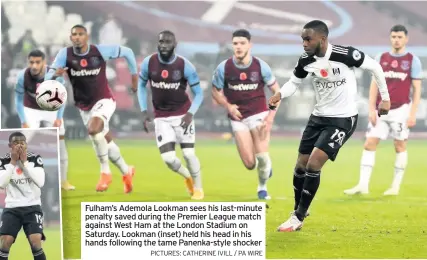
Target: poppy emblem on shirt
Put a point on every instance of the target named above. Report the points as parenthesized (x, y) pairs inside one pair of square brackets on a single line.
[(165, 74), (83, 63), (243, 76), (18, 171), (394, 64), (323, 73)]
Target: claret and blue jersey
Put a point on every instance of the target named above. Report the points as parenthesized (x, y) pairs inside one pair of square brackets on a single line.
[(168, 81), (87, 71)]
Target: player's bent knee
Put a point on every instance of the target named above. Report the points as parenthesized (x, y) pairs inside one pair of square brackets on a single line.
[(302, 161), (35, 241), (97, 137), (250, 164), (95, 126), (6, 242), (189, 153), (399, 146), (171, 160), (371, 144)]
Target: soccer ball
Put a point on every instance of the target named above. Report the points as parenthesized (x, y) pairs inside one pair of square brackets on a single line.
[(51, 95)]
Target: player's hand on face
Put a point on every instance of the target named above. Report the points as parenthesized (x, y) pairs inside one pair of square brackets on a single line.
[(60, 71), (186, 120), (383, 108), (22, 153), (373, 117), (233, 110), (275, 99), (57, 123), (412, 120), (14, 154)]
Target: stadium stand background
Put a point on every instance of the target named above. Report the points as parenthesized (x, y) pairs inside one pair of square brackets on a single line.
[(204, 34)]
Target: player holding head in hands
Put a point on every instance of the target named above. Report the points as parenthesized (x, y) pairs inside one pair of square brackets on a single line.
[(85, 65), (402, 69), (29, 112), (334, 118), (238, 85), (22, 176), (169, 74)]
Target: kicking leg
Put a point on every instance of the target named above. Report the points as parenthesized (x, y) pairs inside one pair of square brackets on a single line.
[(366, 165), (399, 167), (95, 131)]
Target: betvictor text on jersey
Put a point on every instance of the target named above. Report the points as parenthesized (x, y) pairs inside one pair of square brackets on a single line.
[(81, 73), (330, 84)]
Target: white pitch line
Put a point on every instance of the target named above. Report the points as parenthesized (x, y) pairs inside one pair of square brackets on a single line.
[(218, 11)]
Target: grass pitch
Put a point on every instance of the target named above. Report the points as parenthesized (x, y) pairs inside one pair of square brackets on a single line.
[(340, 226), (52, 247)]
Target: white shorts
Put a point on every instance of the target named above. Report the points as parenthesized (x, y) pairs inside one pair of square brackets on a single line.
[(35, 117), (393, 124), (103, 109), (168, 130), (248, 123)]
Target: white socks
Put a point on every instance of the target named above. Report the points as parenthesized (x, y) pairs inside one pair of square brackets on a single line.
[(366, 164), (101, 149), (193, 165), (264, 169), (173, 162), (64, 159), (399, 169), (116, 158), (368, 161)]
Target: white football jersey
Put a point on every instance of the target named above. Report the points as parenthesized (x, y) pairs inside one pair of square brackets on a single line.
[(333, 79), (21, 191)]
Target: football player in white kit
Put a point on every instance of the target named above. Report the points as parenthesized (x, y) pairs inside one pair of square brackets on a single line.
[(334, 118), (402, 70), (31, 115)]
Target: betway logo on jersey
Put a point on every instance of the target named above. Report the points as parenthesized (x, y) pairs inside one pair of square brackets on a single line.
[(395, 75), (330, 84), (243, 87), (82, 73), (164, 85)]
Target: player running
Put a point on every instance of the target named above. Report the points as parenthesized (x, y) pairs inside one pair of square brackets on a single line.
[(29, 112), (238, 85), (402, 69), (169, 75), (334, 119), (85, 65), (22, 176)]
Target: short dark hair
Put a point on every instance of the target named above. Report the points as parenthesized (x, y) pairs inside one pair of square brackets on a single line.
[(167, 32), (399, 28), (242, 33), (36, 53), (11, 136), (318, 26), (81, 26)]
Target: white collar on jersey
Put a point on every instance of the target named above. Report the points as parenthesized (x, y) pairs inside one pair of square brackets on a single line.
[(327, 54)]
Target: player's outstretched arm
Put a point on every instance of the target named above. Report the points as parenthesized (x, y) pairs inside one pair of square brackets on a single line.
[(193, 80), (109, 52), (36, 172), (19, 98), (6, 172), (58, 66)]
